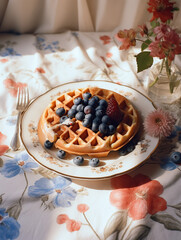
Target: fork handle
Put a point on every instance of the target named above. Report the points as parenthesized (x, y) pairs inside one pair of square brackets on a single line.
[(15, 142)]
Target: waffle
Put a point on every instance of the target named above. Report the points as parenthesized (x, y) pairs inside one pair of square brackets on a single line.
[(80, 140)]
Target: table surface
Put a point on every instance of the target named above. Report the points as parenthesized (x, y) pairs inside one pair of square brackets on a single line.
[(37, 203)]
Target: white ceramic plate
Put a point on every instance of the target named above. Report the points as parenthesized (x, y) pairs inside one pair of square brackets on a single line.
[(110, 166)]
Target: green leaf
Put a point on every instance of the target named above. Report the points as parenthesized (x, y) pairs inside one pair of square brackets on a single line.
[(116, 223), (168, 221), (145, 44), (174, 84), (144, 61), (138, 233), (154, 23)]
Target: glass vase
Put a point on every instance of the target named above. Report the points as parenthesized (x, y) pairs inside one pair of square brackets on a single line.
[(164, 86)]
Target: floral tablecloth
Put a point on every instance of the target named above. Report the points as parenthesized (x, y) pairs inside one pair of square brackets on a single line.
[(36, 203)]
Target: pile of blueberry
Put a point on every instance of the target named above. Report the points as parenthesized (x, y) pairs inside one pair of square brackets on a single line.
[(91, 110)]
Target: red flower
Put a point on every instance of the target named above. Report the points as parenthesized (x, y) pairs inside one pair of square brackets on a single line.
[(4, 60), (167, 43), (3, 148), (82, 208), (62, 218), (73, 225), (139, 195), (106, 39), (127, 37), (157, 49), (13, 86), (162, 9)]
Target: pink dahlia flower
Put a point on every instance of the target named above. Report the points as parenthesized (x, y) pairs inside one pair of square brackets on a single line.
[(159, 123)]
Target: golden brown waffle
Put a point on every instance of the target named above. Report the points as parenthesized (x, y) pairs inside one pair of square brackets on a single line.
[(79, 140)]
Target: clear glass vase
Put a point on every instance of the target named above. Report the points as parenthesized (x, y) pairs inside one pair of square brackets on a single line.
[(164, 85)]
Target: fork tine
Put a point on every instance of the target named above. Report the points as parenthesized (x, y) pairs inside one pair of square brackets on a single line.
[(27, 97), (18, 98)]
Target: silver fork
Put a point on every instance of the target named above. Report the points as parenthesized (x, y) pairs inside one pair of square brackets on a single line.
[(21, 104)]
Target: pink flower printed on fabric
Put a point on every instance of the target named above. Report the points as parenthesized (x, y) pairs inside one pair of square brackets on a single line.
[(139, 195), (3, 148), (3, 60), (13, 86), (71, 224), (82, 208)]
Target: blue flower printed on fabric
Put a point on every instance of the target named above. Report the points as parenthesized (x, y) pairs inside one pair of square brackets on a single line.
[(43, 45), (9, 227), (169, 163), (176, 133), (20, 164), (7, 49), (58, 187)]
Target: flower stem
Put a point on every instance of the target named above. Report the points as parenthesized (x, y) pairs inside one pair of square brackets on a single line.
[(156, 79), (20, 200), (5, 155), (91, 226)]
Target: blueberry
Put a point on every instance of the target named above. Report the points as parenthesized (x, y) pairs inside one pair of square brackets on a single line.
[(100, 108), (60, 111), (99, 113), (106, 119), (63, 118), (95, 126), (74, 106), (86, 95), (85, 102), (78, 160), (88, 109), (80, 107), (97, 120), (48, 144), (71, 113), (103, 103), (176, 157), (130, 147), (103, 128), (112, 129), (92, 102), (61, 154), (79, 116), (77, 101), (87, 122), (94, 162), (123, 151), (89, 116), (96, 98)]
